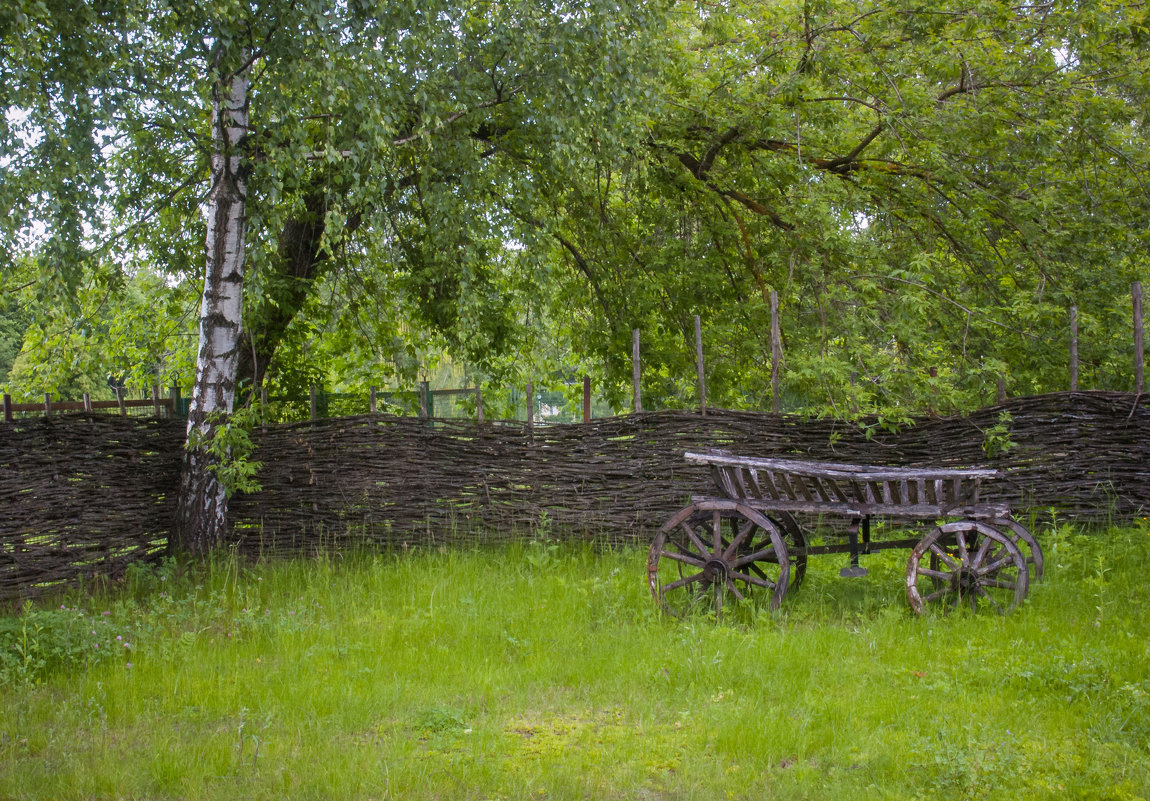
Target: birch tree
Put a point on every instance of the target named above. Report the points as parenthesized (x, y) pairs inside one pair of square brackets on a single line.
[(202, 516)]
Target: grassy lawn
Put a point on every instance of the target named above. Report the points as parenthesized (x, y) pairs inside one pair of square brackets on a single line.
[(538, 671)]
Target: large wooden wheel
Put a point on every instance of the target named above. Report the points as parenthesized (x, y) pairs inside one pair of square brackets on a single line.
[(967, 563), (712, 553), (1026, 543), (796, 541)]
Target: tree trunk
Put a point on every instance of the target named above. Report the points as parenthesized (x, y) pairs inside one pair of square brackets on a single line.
[(202, 513)]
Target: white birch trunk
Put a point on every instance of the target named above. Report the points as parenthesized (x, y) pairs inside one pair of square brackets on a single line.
[(202, 518)]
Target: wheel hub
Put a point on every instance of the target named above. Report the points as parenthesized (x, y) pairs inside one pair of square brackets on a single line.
[(715, 570)]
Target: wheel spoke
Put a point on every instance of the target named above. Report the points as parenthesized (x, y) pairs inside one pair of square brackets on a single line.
[(982, 550), (737, 541), (698, 543), (683, 582), (963, 553), (995, 566), (988, 597), (938, 574), (944, 556), (686, 558), (717, 526), (934, 596), (731, 586), (757, 556), (757, 582), (998, 584)]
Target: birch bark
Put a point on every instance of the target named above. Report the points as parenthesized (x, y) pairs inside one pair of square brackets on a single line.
[(202, 508)]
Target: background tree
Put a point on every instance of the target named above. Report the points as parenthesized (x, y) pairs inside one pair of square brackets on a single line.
[(924, 187)]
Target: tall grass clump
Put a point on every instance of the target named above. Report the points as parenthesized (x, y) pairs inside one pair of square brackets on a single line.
[(543, 670)]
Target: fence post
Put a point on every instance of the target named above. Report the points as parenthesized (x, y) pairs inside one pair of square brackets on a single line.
[(1139, 340), (1002, 389), (371, 400), (156, 399), (776, 351), (423, 395), (312, 402), (87, 403), (478, 403), (530, 405), (120, 401), (47, 404), (7, 408), (699, 365), (933, 391), (635, 368), (174, 394), (1073, 348), (586, 399), (263, 405)]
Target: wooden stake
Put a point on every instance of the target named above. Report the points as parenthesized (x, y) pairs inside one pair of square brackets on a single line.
[(635, 371), (47, 404), (530, 404), (1073, 348), (156, 400), (1139, 340), (423, 389), (312, 402), (7, 408), (120, 401), (479, 403), (371, 400), (1002, 389), (699, 365), (174, 394), (87, 403), (586, 399), (776, 351)]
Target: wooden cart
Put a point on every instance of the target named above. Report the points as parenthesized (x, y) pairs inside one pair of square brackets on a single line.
[(746, 540)]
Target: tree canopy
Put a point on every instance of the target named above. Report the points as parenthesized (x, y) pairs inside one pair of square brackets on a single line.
[(516, 186)]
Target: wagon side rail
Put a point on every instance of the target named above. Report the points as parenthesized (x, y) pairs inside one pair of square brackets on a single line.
[(797, 486)]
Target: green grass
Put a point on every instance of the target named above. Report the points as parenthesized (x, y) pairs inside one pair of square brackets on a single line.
[(537, 671)]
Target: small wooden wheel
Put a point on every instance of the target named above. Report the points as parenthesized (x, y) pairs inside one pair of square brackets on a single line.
[(1026, 543), (715, 552), (967, 562)]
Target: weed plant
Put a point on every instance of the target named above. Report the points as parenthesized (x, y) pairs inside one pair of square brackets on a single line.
[(544, 671)]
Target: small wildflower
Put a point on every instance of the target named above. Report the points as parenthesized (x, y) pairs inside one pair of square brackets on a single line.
[(106, 613), (129, 664), (119, 637)]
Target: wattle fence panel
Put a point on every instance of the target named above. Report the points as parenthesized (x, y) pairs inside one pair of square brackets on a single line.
[(83, 494)]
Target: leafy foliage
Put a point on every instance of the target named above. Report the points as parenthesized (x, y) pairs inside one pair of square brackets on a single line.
[(514, 187)]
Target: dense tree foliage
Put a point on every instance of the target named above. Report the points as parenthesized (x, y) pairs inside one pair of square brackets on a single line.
[(513, 187), (924, 186)]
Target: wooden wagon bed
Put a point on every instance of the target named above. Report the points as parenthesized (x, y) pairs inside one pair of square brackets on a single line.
[(746, 538)]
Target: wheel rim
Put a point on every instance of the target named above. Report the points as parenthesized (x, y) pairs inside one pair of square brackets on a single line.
[(1026, 543), (713, 554), (967, 564), (796, 540)]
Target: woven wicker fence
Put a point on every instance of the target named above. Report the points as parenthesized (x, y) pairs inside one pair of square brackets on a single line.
[(81, 494)]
